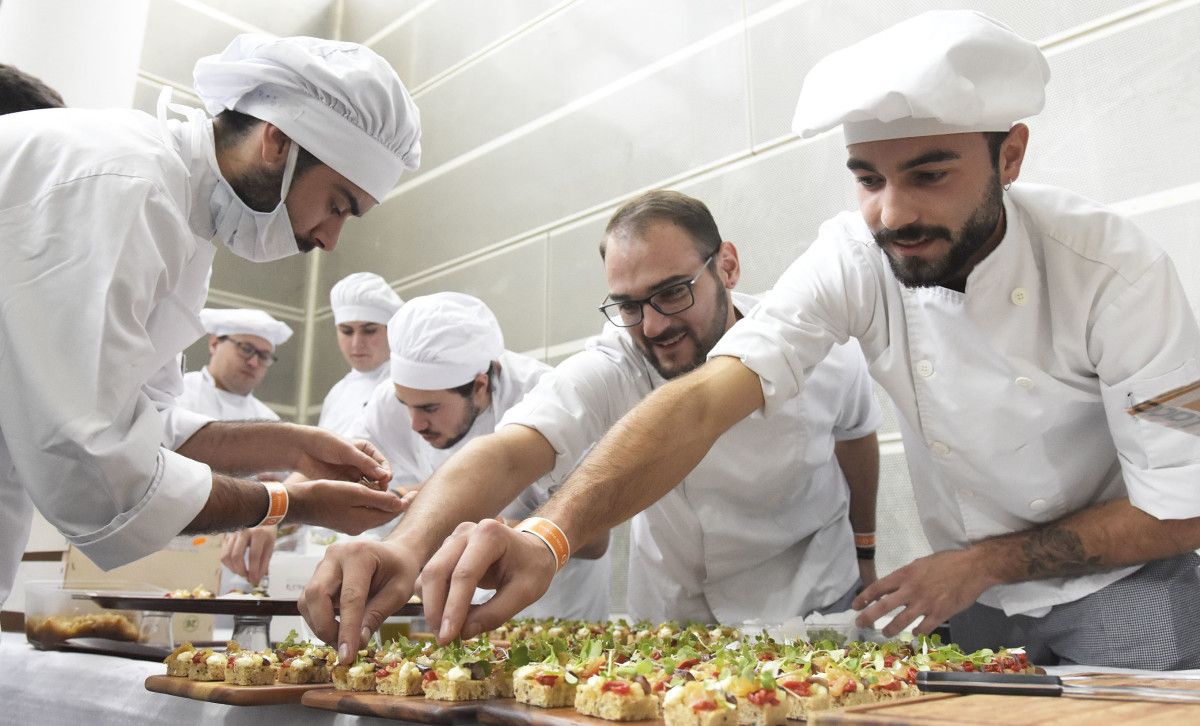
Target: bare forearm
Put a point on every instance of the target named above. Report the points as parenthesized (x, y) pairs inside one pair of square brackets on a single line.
[(1103, 537), (474, 484), (652, 448), (859, 461), (242, 447), (593, 550), (232, 504)]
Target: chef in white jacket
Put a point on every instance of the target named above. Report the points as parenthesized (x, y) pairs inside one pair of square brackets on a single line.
[(108, 221), (362, 303), (1012, 328), (451, 382), (761, 529), (769, 503), (241, 348)]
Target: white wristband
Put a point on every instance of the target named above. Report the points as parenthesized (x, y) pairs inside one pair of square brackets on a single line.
[(277, 507)]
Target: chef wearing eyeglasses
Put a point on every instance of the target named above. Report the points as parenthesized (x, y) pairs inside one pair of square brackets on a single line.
[(241, 348), (760, 529)]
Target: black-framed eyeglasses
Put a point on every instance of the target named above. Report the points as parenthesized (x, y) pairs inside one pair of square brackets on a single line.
[(248, 351), (670, 300)]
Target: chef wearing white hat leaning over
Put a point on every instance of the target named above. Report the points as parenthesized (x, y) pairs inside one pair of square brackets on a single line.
[(1012, 328), (451, 382), (241, 349), (113, 215), (363, 303)]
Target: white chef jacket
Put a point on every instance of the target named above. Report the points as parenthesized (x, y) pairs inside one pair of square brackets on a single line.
[(760, 528), (580, 589), (1013, 393), (348, 398), (200, 394), (106, 265)]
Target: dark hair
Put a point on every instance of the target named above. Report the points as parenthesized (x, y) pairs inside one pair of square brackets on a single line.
[(465, 389), (20, 91), (662, 205), (230, 127), (995, 139)]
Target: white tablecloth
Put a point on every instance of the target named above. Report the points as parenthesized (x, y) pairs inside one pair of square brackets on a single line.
[(49, 687)]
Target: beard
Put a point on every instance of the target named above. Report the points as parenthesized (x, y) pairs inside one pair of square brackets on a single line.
[(468, 420), (973, 237), (259, 189), (703, 342)]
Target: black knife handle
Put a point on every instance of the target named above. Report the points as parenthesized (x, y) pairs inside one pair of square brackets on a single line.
[(1001, 684)]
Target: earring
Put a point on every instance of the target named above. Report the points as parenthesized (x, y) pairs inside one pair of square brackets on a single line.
[(1008, 185)]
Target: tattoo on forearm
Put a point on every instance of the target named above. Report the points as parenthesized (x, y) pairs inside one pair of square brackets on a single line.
[(1053, 551)]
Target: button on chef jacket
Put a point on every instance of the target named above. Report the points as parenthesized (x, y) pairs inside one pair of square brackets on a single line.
[(760, 528), (580, 590), (345, 402), (200, 394), (106, 265), (1012, 395)]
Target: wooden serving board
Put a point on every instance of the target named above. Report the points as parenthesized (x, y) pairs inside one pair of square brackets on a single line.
[(510, 713), (403, 708), (1182, 681), (221, 692), (945, 709)]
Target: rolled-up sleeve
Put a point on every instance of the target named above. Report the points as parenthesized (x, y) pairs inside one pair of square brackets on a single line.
[(86, 264), (1146, 342), (179, 490)]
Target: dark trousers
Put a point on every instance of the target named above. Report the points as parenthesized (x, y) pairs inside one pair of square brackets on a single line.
[(1148, 620)]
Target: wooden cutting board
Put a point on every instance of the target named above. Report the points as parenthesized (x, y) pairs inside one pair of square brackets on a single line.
[(405, 708), (944, 709), (221, 692)]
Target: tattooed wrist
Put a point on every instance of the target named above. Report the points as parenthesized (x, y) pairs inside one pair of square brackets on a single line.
[(1054, 551)]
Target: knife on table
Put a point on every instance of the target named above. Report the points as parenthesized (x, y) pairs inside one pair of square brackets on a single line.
[(1014, 684)]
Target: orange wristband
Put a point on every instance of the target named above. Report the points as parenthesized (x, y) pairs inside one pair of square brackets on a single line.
[(864, 539), (549, 533), (278, 504)]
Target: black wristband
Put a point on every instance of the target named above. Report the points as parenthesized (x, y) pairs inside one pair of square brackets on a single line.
[(865, 553)]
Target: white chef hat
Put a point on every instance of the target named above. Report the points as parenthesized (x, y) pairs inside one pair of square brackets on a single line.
[(244, 321), (941, 72), (340, 101), (363, 297), (442, 341)]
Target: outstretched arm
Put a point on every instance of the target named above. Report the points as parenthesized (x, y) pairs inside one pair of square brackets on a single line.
[(475, 484), (637, 462), (248, 447), (1102, 537), (345, 506)]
